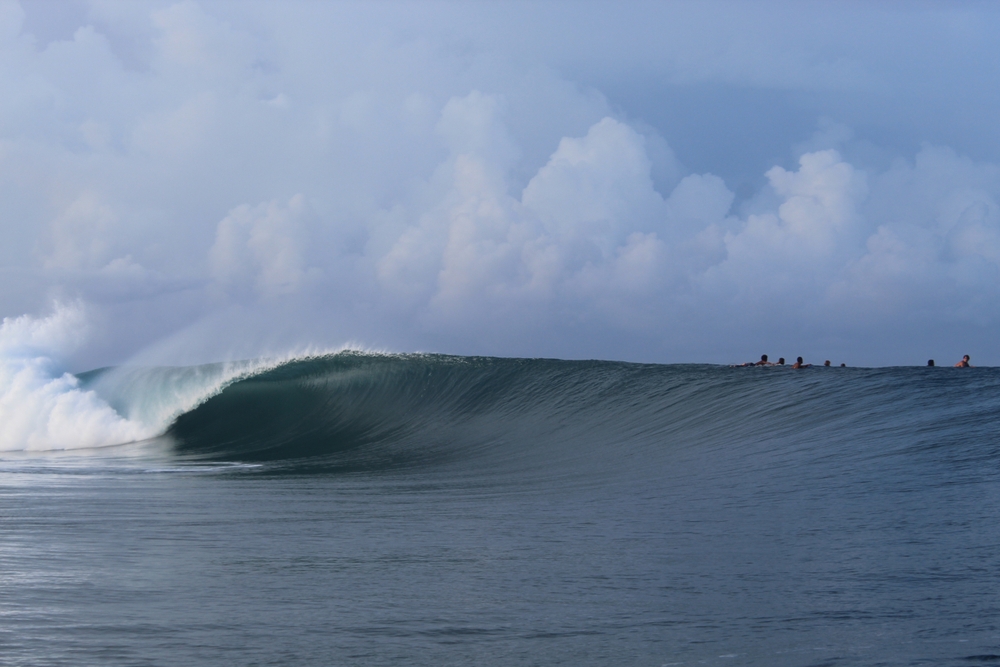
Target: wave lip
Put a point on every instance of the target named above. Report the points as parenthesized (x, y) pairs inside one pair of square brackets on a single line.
[(350, 410), (43, 409)]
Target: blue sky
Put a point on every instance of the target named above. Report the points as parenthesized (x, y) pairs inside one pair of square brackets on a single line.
[(666, 182)]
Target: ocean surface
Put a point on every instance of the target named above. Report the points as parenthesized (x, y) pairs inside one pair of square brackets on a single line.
[(368, 509)]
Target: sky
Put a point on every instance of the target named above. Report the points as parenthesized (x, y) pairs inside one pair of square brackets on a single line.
[(675, 182)]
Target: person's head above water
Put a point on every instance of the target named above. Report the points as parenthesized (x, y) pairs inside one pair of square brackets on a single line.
[(826, 363), (781, 361), (763, 357), (964, 363), (798, 359), (930, 362)]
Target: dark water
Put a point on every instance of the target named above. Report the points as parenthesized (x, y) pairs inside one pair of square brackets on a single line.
[(447, 511)]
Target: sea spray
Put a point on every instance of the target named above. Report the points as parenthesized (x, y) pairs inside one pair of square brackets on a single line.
[(156, 395), (43, 409)]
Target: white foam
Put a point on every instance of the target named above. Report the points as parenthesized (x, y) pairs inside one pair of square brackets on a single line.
[(42, 409)]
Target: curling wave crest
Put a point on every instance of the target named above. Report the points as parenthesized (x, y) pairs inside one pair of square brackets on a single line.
[(363, 411), (43, 408)]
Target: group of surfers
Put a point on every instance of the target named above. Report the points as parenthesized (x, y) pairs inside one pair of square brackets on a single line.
[(781, 362), (964, 363)]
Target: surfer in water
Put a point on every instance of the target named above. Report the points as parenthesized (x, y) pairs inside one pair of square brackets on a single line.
[(781, 361), (964, 363), (750, 364), (798, 363)]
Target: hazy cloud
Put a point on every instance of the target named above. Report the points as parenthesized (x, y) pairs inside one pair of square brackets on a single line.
[(317, 173)]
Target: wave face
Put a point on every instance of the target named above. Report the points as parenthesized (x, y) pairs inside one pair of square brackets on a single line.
[(364, 411), (356, 411)]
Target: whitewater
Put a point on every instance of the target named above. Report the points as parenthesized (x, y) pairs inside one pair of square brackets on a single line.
[(352, 507), (43, 409)]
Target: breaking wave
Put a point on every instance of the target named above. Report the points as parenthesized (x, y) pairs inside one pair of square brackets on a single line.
[(43, 408), (360, 411), (353, 410)]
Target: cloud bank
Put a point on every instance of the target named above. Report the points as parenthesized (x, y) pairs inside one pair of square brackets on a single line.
[(217, 180)]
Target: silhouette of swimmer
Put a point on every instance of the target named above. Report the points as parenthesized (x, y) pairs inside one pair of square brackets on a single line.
[(798, 363), (843, 365), (781, 361), (826, 363), (930, 362), (964, 363)]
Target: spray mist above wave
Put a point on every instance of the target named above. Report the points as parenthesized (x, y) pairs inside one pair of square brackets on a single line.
[(45, 409), (41, 408)]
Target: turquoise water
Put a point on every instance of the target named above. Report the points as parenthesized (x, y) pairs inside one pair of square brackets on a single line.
[(365, 509)]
